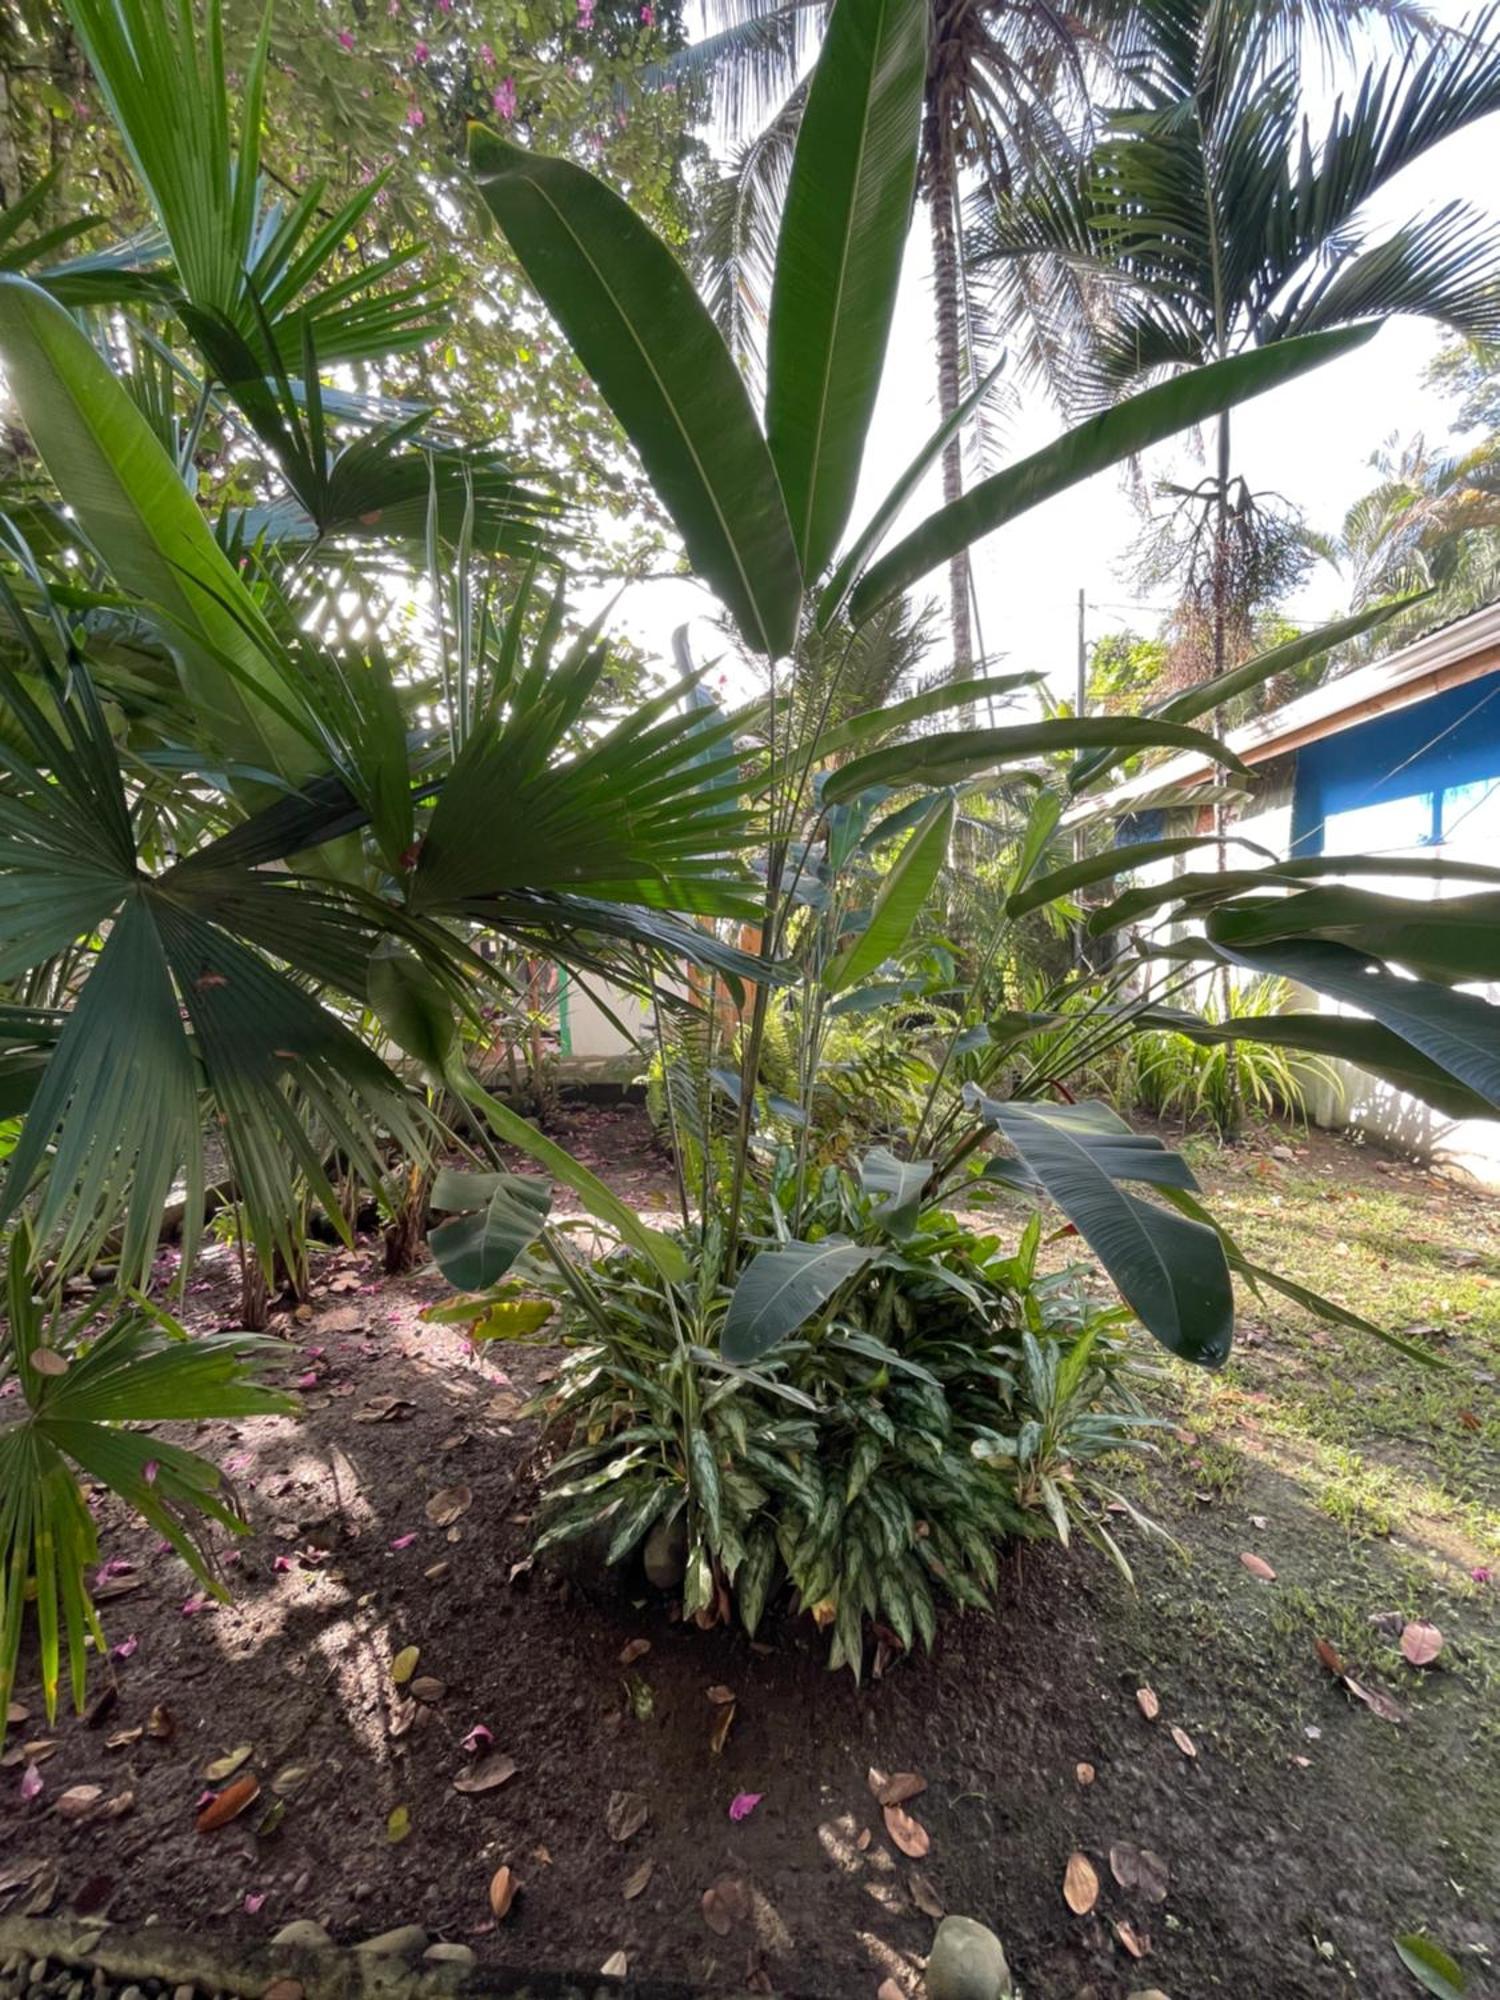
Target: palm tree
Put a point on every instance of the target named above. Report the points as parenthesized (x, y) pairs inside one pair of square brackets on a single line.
[(1211, 220)]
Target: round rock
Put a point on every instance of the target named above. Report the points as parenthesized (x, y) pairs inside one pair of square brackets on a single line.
[(664, 1557), (402, 1942), (967, 1963), (304, 1933), (449, 1954)]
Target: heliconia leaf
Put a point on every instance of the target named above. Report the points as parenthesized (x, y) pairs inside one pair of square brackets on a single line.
[(1433, 1968), (505, 1213), (1116, 434), (901, 1183), (953, 757), (780, 1290), (838, 260), (899, 903), (1454, 939), (1102, 868), (1457, 1031), (917, 707), (634, 320), (1170, 1269)]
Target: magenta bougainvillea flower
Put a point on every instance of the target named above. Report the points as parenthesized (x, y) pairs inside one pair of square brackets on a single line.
[(504, 99), (743, 1804)]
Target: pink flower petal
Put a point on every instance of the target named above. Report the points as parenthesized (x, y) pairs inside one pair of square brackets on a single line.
[(281, 1565), (478, 1738), (1482, 1575), (404, 1541), (346, 40), (205, 1798), (31, 1784), (307, 1381), (744, 1803), (255, 1902), (125, 1648), (193, 1605), (149, 1471)]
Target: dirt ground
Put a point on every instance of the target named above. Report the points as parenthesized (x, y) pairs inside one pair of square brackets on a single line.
[(1299, 1830)]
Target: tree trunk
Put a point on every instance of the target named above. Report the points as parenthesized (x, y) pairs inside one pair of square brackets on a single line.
[(942, 191), (1234, 1096)]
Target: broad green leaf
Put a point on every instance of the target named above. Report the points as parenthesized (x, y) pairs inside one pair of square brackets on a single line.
[(412, 1007), (1041, 824), (631, 314), (1451, 938), (110, 468), (780, 1290), (1432, 1968), (1330, 1310), (838, 260), (1457, 1031), (515, 1130), (511, 1319), (901, 1183), (931, 701), (504, 1215), (1101, 867), (1116, 434), (955, 756), (1170, 1270), (899, 902)]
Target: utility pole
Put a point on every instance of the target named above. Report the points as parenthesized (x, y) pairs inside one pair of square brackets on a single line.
[(1083, 659)]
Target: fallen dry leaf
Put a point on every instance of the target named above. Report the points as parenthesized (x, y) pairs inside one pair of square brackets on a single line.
[(398, 1824), (503, 1887), (638, 1880), (625, 1815), (1373, 1699), (1080, 1884), (865, 1837), (633, 1650), (448, 1505), (488, 1774), (888, 1989), (161, 1724), (16, 1712), (715, 1915), (1184, 1742), (1139, 1869), (78, 1801), (926, 1897), (426, 1688), (718, 1736), (1084, 1773), (616, 1966), (405, 1664), (225, 1767), (720, 1695), (123, 1738), (1258, 1566), (723, 1904), (1420, 1643), (1137, 1943), (1330, 1657), (1147, 1702), (229, 1804), (47, 1361), (909, 1834)]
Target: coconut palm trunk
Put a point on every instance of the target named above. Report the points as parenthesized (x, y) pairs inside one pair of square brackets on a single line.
[(942, 211)]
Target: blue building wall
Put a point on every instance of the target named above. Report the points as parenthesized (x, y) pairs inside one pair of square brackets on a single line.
[(1435, 750)]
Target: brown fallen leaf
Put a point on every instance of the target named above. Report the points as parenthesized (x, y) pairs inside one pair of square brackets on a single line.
[(1330, 1657), (1139, 1869), (1378, 1703), (1147, 1701), (908, 1834), (78, 1801), (926, 1897), (114, 1586), (616, 1966), (1420, 1643), (1258, 1566), (721, 1695), (503, 1887), (724, 1903), (718, 1736), (894, 1790), (16, 1712), (229, 1804), (123, 1738), (405, 1664), (283, 1989), (865, 1837), (715, 1915), (1184, 1742), (889, 1989), (47, 1361), (487, 1775), (1080, 1884), (426, 1688), (37, 1751), (637, 1882), (403, 1716), (161, 1724), (633, 1650), (625, 1815), (119, 1805), (448, 1505), (1136, 1942), (1084, 1773)]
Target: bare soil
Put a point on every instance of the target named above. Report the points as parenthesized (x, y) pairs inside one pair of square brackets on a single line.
[(1299, 1839)]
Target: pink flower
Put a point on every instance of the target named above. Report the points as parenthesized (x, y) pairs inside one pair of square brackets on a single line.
[(31, 1784), (193, 1605), (504, 99), (237, 1461), (743, 1804), (420, 53), (404, 1541), (205, 1798), (254, 1903), (416, 117), (125, 1648), (281, 1565), (346, 40), (1482, 1575), (393, 8), (149, 1471), (585, 16), (486, 55), (479, 1738), (310, 1379), (648, 17), (445, 6), (116, 1566)]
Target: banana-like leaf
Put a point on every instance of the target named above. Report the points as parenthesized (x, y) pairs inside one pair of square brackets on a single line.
[(1102, 867), (1093, 446), (901, 1183), (780, 1290), (1453, 939), (109, 467), (899, 903), (917, 707), (953, 757), (503, 1214), (633, 318), (838, 260), (1170, 1270), (1457, 1031)]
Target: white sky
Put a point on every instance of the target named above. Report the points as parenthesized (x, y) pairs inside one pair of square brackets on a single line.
[(1310, 441)]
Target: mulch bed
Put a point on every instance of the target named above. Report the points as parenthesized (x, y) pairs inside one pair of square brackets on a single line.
[(616, 1821)]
